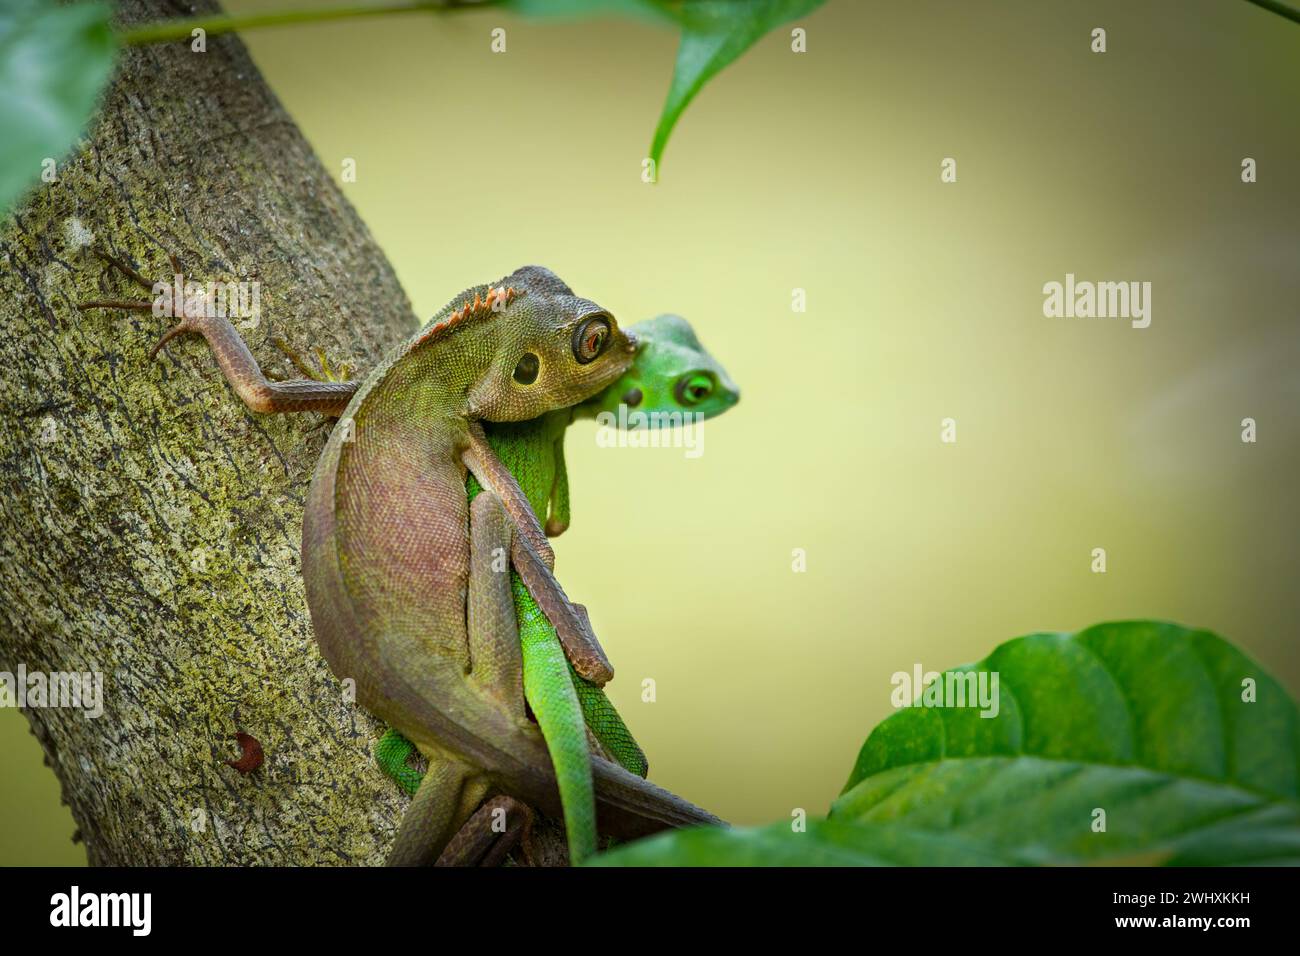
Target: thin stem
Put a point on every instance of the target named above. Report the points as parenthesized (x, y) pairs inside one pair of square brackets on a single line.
[(1280, 7), (214, 25)]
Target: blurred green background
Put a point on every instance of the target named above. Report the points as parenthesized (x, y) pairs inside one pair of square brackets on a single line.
[(820, 171)]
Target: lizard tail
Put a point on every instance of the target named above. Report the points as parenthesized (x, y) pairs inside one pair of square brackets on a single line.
[(630, 807), (607, 725), (550, 694)]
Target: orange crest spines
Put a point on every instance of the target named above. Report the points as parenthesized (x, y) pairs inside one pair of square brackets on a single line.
[(495, 300), (483, 305)]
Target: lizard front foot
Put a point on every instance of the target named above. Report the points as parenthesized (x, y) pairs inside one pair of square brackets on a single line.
[(177, 299), (203, 310)]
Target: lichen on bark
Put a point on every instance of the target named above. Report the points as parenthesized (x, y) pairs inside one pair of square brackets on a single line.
[(149, 524)]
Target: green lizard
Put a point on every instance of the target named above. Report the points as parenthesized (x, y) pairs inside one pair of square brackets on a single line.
[(671, 373), (442, 661)]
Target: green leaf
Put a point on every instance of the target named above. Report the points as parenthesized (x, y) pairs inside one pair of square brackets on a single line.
[(54, 61), (714, 34), (1283, 8), (1143, 720), (826, 843)]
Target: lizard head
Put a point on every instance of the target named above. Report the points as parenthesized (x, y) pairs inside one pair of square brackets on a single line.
[(552, 350), (672, 372)]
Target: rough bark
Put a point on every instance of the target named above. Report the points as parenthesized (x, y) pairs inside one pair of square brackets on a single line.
[(150, 524)]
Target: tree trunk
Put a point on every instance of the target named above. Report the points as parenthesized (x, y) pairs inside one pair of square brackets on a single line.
[(150, 524)]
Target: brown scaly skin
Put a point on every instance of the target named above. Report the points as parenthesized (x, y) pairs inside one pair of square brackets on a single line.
[(479, 843), (405, 595)]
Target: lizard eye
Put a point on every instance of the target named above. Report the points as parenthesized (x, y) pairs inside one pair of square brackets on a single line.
[(590, 338), (693, 389), (526, 371)]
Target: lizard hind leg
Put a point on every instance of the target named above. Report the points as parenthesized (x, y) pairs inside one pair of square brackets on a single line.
[(487, 837), (447, 797)]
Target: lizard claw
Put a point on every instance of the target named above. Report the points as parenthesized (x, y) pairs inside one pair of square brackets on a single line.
[(175, 305), (136, 305), (185, 325), (131, 305)]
